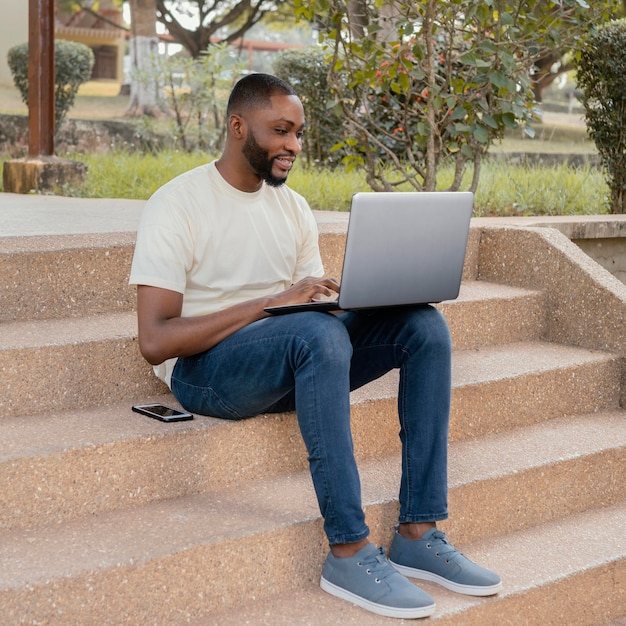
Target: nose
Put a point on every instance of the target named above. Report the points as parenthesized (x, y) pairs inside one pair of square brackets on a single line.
[(293, 143)]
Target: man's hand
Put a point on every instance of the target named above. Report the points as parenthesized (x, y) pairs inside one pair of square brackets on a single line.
[(164, 334), (309, 289)]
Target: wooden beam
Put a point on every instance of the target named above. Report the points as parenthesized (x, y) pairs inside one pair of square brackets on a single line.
[(41, 78)]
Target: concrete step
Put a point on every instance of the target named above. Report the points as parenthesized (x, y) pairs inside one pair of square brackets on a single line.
[(52, 277), (60, 465), (554, 574), (51, 365), (58, 276), (109, 517), (70, 363), (495, 313), (157, 563)]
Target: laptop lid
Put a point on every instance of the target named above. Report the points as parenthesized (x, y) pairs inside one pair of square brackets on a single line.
[(404, 248)]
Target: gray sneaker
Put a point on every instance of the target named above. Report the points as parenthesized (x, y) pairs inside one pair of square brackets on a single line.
[(433, 558), (367, 580)]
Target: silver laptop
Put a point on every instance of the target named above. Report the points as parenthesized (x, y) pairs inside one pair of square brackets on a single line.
[(402, 248)]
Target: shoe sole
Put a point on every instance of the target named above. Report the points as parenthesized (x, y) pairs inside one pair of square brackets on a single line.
[(379, 609), (468, 590)]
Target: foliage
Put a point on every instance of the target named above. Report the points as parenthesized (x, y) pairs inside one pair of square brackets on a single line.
[(305, 70), (194, 92), (423, 83), (557, 59), (602, 79), (93, 6), (73, 63), (504, 189), (507, 189), (211, 20)]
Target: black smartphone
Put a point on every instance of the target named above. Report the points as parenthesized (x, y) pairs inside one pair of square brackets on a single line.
[(162, 413)]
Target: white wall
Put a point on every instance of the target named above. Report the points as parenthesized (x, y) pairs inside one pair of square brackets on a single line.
[(13, 30)]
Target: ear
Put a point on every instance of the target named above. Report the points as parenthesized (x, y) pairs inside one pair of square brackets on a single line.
[(237, 126)]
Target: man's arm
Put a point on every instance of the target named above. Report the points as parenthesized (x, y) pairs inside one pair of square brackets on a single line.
[(164, 334)]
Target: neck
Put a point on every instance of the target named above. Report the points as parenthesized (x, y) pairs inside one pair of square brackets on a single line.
[(238, 175)]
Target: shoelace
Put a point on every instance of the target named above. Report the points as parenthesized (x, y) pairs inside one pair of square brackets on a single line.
[(377, 565), (444, 549)]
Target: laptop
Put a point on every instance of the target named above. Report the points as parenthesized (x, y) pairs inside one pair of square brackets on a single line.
[(402, 248)]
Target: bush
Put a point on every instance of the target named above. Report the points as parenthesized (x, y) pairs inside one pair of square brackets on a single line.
[(602, 80), (305, 70), (73, 63), (195, 93)]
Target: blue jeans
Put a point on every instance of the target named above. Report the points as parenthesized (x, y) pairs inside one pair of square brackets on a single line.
[(309, 362)]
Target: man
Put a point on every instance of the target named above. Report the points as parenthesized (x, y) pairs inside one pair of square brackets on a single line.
[(220, 243)]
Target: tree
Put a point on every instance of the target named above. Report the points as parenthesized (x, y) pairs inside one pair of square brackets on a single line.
[(430, 82), (143, 52), (305, 70), (90, 6), (602, 78), (216, 21), (552, 62)]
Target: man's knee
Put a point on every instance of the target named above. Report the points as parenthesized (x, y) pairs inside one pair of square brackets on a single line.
[(326, 337), (432, 328)]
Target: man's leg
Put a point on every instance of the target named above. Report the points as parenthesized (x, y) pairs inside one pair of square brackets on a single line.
[(417, 341), (299, 361), (302, 361)]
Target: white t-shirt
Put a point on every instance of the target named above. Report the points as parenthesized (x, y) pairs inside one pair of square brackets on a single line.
[(219, 246)]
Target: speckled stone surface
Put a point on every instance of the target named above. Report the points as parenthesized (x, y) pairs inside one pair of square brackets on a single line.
[(109, 517), (55, 364), (109, 457), (65, 276)]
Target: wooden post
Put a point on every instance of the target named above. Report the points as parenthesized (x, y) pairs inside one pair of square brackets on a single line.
[(41, 111)]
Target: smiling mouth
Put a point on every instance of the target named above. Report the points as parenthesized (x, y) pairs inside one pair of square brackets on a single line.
[(284, 163)]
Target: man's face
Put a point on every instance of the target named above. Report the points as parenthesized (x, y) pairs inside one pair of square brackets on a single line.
[(274, 139), (261, 162)]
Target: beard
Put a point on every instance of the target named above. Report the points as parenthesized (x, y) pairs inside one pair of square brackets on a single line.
[(260, 161)]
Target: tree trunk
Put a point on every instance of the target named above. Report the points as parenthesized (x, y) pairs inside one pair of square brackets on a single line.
[(357, 18), (143, 50), (430, 181)]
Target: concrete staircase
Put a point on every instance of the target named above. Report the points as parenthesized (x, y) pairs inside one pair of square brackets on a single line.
[(108, 517)]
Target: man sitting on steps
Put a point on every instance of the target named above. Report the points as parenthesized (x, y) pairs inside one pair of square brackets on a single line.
[(220, 243)]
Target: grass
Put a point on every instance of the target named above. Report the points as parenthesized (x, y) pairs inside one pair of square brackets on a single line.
[(563, 134), (95, 100), (132, 175), (504, 188)]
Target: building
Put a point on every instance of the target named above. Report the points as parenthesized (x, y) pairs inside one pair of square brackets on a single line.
[(106, 40), (104, 34)]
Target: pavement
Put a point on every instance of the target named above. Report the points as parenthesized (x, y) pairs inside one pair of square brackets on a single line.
[(23, 215), (28, 215)]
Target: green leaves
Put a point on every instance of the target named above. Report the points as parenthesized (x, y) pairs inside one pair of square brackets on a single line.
[(602, 78), (423, 82), (73, 63)]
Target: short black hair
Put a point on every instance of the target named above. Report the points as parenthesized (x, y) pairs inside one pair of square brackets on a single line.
[(255, 90)]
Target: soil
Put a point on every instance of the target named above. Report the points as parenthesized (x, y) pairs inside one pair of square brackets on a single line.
[(92, 102)]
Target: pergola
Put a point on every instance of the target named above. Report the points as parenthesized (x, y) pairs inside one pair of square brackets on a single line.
[(41, 78)]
